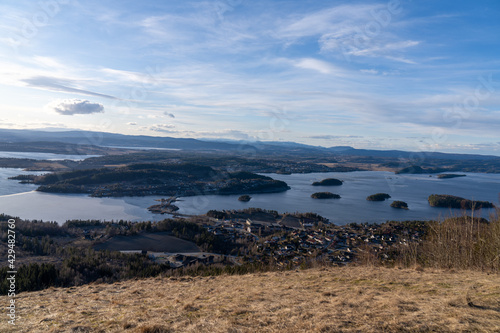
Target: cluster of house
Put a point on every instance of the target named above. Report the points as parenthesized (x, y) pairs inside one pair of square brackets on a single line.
[(243, 228), (337, 244), (285, 245)]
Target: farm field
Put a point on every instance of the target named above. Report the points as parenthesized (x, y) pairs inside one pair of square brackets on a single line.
[(154, 242)]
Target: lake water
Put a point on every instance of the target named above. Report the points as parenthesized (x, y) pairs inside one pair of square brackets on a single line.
[(43, 156), (21, 199)]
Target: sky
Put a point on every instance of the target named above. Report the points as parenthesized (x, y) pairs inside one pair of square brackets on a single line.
[(400, 74)]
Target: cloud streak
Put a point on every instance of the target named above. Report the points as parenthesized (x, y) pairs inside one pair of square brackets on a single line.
[(61, 85)]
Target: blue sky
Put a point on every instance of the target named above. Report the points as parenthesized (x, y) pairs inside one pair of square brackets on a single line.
[(414, 75)]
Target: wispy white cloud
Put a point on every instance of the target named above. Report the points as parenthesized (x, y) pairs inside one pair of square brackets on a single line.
[(165, 128), (351, 30), (369, 71), (317, 65), (234, 67), (382, 50), (334, 137), (341, 19), (228, 134)]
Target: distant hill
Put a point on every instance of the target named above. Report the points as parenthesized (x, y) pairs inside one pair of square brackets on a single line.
[(112, 139), (349, 151), (93, 138)]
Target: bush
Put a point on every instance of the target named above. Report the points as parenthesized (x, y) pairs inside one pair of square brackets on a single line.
[(463, 243)]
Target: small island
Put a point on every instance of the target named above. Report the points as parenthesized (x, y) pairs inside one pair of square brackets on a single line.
[(378, 197), (165, 206), (449, 175), (244, 198), (328, 182), (451, 201), (325, 195), (399, 205)]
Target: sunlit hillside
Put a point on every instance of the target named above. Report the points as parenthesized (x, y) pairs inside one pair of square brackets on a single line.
[(349, 299)]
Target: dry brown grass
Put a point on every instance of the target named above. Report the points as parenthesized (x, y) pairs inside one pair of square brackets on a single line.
[(351, 299)]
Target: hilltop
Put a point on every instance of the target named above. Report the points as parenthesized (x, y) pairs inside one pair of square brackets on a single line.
[(347, 299)]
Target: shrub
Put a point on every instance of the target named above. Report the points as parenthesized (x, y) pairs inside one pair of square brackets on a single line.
[(463, 243)]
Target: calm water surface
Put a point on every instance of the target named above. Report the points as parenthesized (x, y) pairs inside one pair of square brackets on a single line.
[(353, 206), (43, 156), (21, 199)]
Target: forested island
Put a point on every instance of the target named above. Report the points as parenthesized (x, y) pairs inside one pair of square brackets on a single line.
[(399, 204), (325, 195), (244, 198), (328, 182), (165, 206), (378, 197), (180, 179), (451, 201)]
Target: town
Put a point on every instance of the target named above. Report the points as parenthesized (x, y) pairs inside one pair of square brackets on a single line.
[(288, 246), (299, 244)]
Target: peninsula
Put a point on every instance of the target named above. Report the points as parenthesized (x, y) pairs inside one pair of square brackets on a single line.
[(174, 179)]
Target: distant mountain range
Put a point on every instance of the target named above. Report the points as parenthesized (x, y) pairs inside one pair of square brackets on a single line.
[(104, 139)]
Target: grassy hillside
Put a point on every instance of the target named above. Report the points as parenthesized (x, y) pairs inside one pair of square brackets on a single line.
[(349, 299)]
